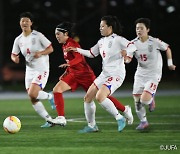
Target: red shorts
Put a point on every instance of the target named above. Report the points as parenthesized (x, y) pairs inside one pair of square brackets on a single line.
[(74, 81)]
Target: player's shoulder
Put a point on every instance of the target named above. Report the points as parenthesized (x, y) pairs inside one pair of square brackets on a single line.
[(135, 40), (72, 42), (35, 32), (154, 39), (119, 38), (18, 37)]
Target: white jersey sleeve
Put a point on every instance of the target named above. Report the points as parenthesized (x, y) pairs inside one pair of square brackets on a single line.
[(161, 45), (44, 41), (16, 50), (93, 52)]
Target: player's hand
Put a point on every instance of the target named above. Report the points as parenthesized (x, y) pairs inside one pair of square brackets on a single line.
[(37, 54), (16, 59), (172, 67), (64, 65), (127, 59), (70, 49)]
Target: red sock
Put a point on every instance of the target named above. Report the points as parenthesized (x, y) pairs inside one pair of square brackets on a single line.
[(59, 102), (117, 104)]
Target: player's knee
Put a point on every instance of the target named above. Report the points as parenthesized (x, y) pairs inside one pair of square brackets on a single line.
[(146, 101), (100, 97), (32, 95), (87, 98), (136, 98), (33, 100)]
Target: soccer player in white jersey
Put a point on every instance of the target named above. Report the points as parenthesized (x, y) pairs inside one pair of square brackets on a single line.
[(113, 72), (149, 69), (35, 47)]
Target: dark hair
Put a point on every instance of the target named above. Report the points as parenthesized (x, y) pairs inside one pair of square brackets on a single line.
[(114, 22), (145, 21), (66, 27), (27, 15)]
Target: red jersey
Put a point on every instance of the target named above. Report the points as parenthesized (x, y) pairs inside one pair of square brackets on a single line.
[(77, 62)]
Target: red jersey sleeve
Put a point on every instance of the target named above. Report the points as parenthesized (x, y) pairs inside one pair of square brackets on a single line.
[(78, 58)]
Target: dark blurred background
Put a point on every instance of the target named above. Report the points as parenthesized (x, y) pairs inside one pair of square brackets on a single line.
[(164, 14)]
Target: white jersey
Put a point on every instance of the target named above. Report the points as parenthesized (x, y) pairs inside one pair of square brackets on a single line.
[(30, 44), (109, 48), (149, 57)]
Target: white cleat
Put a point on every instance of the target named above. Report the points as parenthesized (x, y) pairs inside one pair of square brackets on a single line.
[(60, 120), (128, 115)]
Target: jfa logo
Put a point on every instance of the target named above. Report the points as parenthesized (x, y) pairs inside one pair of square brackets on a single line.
[(168, 147)]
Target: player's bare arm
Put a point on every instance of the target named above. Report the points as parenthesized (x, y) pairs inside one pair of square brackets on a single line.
[(171, 66), (47, 51)]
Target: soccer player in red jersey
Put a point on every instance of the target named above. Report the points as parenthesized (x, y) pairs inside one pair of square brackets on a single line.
[(77, 74)]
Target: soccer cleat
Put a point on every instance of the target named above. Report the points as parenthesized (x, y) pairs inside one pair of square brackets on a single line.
[(47, 125), (143, 125), (128, 115), (121, 124), (88, 129), (60, 120), (51, 101), (152, 106)]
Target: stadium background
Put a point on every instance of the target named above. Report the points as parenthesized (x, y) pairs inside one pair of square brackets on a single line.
[(164, 14)]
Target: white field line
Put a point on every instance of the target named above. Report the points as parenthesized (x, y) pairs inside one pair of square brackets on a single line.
[(98, 118), (82, 120)]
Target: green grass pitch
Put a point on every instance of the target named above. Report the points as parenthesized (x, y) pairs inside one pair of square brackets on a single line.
[(164, 130)]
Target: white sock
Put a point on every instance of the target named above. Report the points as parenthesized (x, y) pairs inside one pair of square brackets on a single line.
[(90, 110), (142, 114), (108, 105), (40, 109), (44, 95)]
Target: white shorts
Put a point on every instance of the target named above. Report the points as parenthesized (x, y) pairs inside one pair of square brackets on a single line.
[(36, 77), (112, 82), (148, 84)]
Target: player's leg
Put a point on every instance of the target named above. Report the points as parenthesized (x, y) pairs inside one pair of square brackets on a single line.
[(108, 105), (125, 109), (37, 104), (58, 90), (140, 109), (35, 82), (90, 110), (141, 113), (45, 95)]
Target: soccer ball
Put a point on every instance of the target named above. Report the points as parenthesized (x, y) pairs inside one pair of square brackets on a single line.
[(12, 124)]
